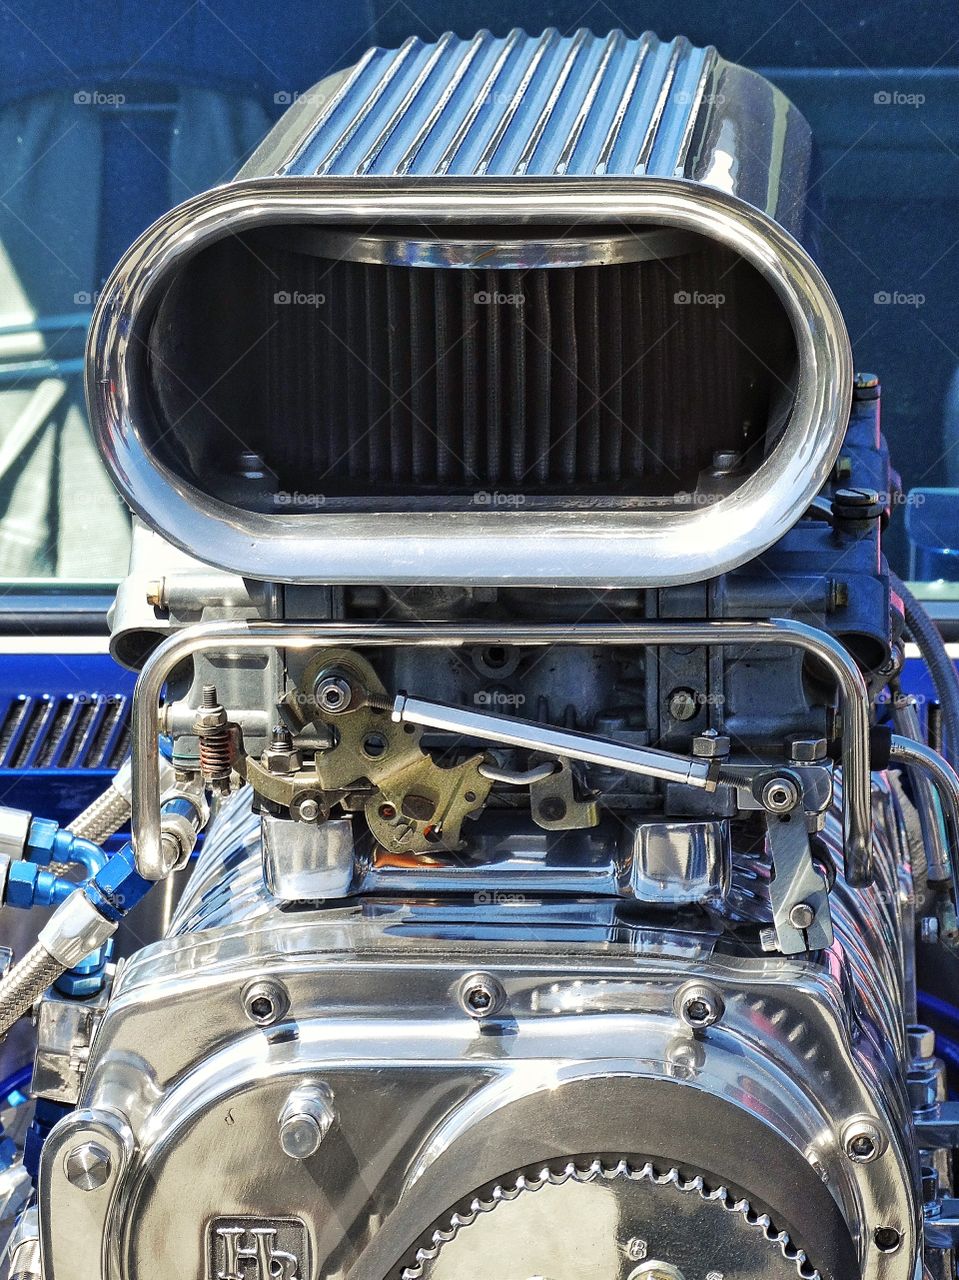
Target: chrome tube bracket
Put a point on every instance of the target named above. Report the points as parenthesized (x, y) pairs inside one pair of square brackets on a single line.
[(256, 635)]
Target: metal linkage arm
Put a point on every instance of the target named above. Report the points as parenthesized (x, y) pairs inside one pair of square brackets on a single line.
[(561, 742)]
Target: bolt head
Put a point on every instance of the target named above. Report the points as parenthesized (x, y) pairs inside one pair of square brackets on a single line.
[(482, 995), (802, 915), (265, 1002), (683, 704), (300, 1136), (699, 1005), (780, 795), (333, 693), (305, 1120), (655, 1270), (88, 1166), (807, 750), (711, 745), (863, 1141)]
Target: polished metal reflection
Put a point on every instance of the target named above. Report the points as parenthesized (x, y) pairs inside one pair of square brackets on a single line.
[(613, 547), (676, 863), (591, 1041), (486, 254), (918, 756), (629, 1221), (307, 861), (511, 731)]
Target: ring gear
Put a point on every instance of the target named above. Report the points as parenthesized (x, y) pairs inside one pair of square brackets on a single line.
[(609, 1219)]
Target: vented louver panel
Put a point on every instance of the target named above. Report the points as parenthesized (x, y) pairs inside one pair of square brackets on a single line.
[(70, 731)]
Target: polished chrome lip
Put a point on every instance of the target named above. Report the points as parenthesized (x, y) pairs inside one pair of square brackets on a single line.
[(488, 253), (490, 547)]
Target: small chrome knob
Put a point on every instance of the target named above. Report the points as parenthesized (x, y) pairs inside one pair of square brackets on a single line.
[(305, 1120)]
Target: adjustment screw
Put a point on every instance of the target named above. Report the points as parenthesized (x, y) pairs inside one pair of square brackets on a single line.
[(482, 995), (699, 1005), (305, 1120), (333, 693), (88, 1166), (779, 795), (863, 1140), (802, 915), (265, 1001), (683, 704)]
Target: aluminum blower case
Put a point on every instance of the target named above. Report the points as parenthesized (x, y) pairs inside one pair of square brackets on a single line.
[(507, 1088)]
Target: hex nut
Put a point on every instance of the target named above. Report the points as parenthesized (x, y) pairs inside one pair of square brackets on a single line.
[(711, 745), (807, 750), (88, 1166)]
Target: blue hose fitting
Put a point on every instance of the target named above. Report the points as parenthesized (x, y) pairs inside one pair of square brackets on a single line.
[(48, 842), (117, 887), (30, 886)]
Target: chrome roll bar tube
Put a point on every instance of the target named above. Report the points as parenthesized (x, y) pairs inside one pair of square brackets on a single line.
[(931, 765), (255, 635)]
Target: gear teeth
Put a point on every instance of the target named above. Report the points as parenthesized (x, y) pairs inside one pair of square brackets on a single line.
[(572, 1172)]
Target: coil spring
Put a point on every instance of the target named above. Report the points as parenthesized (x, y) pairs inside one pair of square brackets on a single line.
[(216, 745)]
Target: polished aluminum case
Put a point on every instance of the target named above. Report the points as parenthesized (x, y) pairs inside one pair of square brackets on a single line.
[(544, 130), (586, 1054)]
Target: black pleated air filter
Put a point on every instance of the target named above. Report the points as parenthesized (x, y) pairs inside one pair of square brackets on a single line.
[(360, 382)]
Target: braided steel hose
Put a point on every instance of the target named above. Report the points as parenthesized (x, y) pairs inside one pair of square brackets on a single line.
[(113, 810), (103, 818), (25, 984)]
